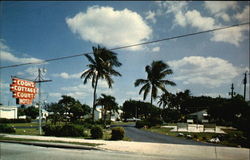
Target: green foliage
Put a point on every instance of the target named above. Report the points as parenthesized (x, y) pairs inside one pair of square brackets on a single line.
[(96, 132), (4, 120), (109, 104), (67, 108), (144, 110), (67, 130), (31, 112), (117, 133), (140, 124), (4, 128), (170, 115)]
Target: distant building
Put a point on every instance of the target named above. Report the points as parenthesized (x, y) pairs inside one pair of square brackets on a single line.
[(201, 116), (45, 114), (8, 112), (97, 114), (116, 115)]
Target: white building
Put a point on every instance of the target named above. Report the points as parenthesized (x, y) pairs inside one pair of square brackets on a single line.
[(116, 115), (8, 112), (97, 114), (44, 115)]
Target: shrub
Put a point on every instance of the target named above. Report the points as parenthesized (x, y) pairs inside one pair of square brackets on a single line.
[(117, 133), (140, 124), (52, 130), (67, 130), (4, 120), (96, 132), (70, 130), (153, 121), (4, 128)]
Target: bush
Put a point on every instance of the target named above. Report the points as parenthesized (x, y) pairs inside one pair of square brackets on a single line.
[(4, 120), (4, 128), (96, 132), (52, 130), (67, 130), (140, 124), (117, 133), (153, 121), (70, 130)]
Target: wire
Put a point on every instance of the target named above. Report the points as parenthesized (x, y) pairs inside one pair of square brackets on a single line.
[(128, 46)]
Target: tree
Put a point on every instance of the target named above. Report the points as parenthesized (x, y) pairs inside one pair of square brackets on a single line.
[(156, 72), (57, 112), (73, 108), (109, 104), (67, 107), (31, 112), (138, 109), (101, 67), (20, 110)]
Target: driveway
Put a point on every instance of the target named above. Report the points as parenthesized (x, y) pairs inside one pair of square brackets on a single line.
[(138, 135)]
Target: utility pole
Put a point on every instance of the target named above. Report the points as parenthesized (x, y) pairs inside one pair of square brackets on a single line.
[(245, 83), (232, 93), (39, 80)]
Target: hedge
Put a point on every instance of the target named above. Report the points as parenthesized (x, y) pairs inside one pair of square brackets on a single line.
[(4, 120), (96, 132), (4, 128), (117, 133), (67, 130)]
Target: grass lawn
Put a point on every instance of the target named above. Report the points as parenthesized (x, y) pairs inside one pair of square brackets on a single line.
[(35, 131), (27, 131), (233, 138)]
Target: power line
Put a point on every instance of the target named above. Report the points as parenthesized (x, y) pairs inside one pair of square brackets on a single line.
[(128, 46)]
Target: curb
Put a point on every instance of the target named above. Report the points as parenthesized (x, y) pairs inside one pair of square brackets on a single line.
[(51, 144)]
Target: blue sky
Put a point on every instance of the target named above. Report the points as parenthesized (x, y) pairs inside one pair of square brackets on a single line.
[(207, 64)]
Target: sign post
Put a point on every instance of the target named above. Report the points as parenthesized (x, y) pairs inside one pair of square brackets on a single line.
[(39, 80)]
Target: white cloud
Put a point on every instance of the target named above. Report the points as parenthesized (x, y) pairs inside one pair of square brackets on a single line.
[(184, 17), (150, 16), (244, 15), (3, 46), (55, 94), (231, 35), (156, 49), (109, 27), (7, 56), (65, 75), (219, 8), (207, 71), (195, 19)]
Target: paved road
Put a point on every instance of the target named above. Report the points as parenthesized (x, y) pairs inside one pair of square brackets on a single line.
[(10, 151), (145, 136)]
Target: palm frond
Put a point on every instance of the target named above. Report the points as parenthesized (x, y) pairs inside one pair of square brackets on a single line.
[(147, 85), (140, 82)]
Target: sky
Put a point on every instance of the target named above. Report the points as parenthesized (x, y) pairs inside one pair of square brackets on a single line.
[(206, 64)]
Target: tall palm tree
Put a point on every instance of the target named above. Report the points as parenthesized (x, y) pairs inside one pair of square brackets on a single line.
[(108, 103), (156, 72), (101, 67)]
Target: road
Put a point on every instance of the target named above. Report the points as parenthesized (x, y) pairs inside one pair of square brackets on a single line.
[(10, 151), (146, 136)]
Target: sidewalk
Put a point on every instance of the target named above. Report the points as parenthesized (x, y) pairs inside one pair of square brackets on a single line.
[(168, 150)]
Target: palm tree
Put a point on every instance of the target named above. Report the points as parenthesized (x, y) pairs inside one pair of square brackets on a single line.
[(108, 103), (101, 67), (156, 72)]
